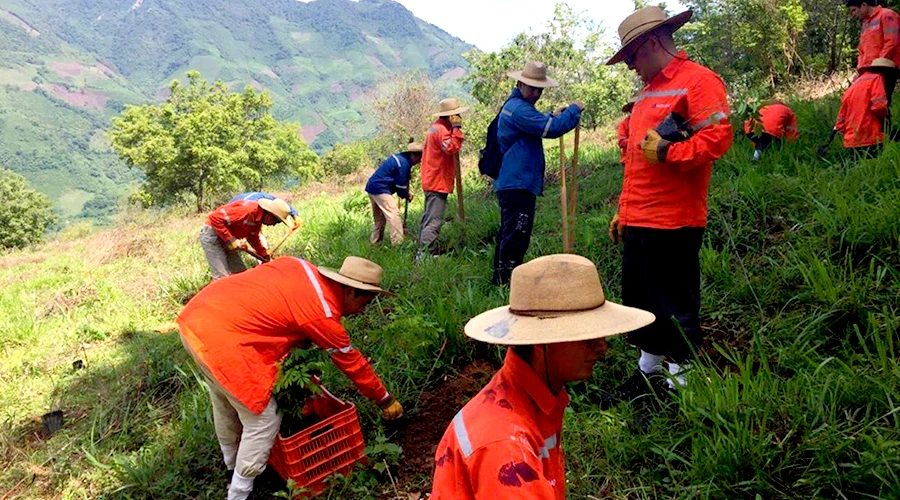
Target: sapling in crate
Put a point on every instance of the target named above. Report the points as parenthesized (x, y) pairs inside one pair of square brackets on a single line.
[(296, 383)]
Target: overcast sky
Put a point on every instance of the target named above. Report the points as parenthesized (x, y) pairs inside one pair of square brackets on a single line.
[(489, 24)]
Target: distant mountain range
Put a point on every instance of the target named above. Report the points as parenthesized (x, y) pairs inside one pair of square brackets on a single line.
[(67, 66)]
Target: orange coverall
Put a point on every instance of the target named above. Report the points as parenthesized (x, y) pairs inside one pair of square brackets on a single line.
[(880, 37), (241, 327), (237, 220), (505, 442), (673, 194), (441, 145), (863, 110), (622, 135)]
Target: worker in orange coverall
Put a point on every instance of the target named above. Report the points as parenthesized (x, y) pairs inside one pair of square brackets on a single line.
[(622, 129), (879, 36), (227, 225), (775, 122), (679, 127), (442, 144), (506, 442), (864, 108), (238, 329)]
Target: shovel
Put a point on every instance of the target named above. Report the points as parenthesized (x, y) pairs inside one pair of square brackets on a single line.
[(297, 225)]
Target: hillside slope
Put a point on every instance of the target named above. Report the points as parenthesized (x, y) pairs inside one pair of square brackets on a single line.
[(322, 61)]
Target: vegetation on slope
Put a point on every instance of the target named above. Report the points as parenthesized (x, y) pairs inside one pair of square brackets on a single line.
[(796, 396)]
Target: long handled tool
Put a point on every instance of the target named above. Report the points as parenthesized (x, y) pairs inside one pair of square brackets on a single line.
[(252, 254), (297, 225), (459, 189), (405, 214), (563, 194), (573, 200)]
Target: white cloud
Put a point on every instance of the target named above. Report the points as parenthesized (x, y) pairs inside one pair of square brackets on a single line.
[(489, 24)]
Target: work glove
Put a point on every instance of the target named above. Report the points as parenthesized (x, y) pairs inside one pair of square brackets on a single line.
[(655, 147), (615, 229), (392, 409), (456, 121), (238, 245), (265, 258), (578, 104)]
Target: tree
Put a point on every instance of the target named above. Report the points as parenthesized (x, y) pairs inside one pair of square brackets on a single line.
[(25, 214), (403, 108), (574, 50), (206, 141)]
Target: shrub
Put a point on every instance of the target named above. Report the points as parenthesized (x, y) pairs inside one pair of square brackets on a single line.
[(345, 159), (25, 213)]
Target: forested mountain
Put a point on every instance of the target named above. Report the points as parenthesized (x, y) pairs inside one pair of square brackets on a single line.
[(67, 66)]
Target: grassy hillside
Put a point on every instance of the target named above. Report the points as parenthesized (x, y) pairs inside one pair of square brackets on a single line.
[(796, 396), (84, 60)]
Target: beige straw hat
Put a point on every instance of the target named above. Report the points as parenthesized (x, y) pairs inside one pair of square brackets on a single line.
[(534, 74), (450, 107), (277, 207), (642, 22), (881, 64), (557, 298), (414, 147), (359, 273)]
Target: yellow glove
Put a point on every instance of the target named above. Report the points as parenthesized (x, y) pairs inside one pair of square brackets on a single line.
[(392, 411), (655, 147), (615, 229), (235, 244), (456, 121)]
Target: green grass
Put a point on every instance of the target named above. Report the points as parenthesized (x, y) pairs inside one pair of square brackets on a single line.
[(796, 395)]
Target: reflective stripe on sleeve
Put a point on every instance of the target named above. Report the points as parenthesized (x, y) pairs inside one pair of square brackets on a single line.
[(317, 286), (547, 127), (506, 112), (714, 118), (661, 93), (225, 214), (397, 160), (342, 350), (462, 435), (549, 444)]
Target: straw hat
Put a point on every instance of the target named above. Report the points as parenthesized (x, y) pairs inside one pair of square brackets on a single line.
[(414, 147), (534, 74), (450, 107), (277, 207), (359, 273), (881, 64), (642, 22), (557, 298)]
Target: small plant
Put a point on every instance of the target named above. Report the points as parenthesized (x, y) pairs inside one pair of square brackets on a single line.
[(291, 490), (296, 381), (383, 453)]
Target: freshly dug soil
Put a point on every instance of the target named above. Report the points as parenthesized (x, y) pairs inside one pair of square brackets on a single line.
[(433, 414)]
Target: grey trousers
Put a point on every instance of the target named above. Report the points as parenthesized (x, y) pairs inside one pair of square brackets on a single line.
[(222, 262), (432, 219)]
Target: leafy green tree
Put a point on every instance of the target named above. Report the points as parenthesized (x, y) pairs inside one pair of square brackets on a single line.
[(206, 141), (575, 52), (345, 159), (25, 214)]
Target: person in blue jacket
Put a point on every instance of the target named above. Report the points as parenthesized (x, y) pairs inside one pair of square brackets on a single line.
[(392, 177), (520, 133), (259, 195)]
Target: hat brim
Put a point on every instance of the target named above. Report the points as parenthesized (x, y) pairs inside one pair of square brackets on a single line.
[(541, 84), (340, 278), (267, 205), (675, 22), (500, 326), (456, 111), (879, 69)]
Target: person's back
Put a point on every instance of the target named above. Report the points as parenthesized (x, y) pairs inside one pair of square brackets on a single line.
[(863, 109), (879, 37)]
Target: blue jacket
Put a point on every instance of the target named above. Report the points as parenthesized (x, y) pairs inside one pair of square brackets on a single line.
[(520, 132), (256, 195), (391, 177)]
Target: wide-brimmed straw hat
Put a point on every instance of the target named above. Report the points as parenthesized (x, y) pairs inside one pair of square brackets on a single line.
[(414, 147), (557, 298), (277, 207), (450, 107), (880, 64), (359, 273), (643, 22), (534, 74)]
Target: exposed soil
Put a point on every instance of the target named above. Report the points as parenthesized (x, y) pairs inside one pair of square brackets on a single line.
[(84, 98), (433, 413)]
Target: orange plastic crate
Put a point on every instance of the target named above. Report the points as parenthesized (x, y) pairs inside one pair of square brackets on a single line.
[(333, 445)]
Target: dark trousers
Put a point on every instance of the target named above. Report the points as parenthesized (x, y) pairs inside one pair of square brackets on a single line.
[(661, 274), (514, 236), (763, 141)]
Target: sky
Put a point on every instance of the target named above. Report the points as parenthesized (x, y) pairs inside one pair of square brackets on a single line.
[(489, 24)]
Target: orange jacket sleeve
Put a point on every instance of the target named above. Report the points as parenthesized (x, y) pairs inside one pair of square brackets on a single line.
[(879, 101), (329, 334), (451, 140), (219, 219), (254, 241), (622, 133), (509, 469), (890, 26), (708, 111)]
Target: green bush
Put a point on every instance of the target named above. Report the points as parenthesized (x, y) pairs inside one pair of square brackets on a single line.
[(345, 159), (25, 214)]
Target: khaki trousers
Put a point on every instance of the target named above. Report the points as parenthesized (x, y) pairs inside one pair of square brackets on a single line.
[(385, 210), (244, 437), (222, 262)]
